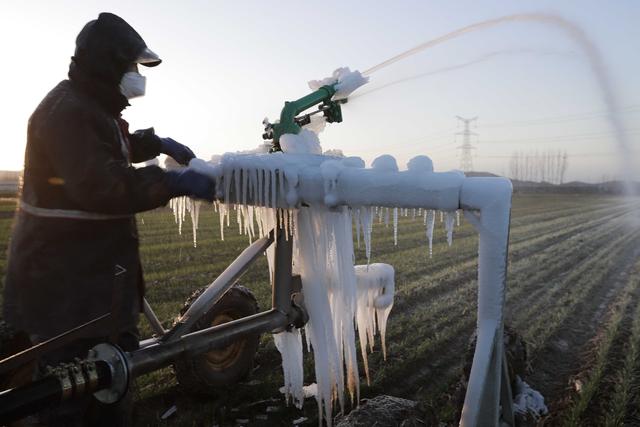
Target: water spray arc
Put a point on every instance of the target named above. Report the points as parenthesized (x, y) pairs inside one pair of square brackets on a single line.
[(466, 160), (592, 53)]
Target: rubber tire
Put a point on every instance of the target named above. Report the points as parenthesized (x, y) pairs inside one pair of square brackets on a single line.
[(208, 373)]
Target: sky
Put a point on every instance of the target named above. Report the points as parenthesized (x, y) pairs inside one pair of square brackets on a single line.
[(227, 65)]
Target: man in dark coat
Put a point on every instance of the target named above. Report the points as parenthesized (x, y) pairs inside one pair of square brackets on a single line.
[(75, 227)]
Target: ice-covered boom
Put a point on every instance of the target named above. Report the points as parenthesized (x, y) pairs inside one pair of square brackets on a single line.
[(292, 180)]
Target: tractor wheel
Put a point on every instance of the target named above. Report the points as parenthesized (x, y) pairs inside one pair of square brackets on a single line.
[(220, 368)]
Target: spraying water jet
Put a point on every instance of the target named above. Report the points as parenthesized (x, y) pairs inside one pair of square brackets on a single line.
[(592, 53)]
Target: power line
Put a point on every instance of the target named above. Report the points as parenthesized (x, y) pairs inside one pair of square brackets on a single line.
[(559, 138), (561, 119), (600, 154)]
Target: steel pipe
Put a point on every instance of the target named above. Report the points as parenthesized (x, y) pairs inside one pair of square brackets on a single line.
[(159, 355)]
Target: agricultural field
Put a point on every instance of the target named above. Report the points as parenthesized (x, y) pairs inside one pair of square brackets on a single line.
[(573, 294)]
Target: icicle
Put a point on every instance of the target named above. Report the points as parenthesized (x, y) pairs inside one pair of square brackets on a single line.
[(376, 287), (239, 218), (429, 220), (255, 187), (367, 215), (458, 217), (386, 217), (281, 186), (221, 214), (227, 185), (323, 256), (237, 180), (195, 218), (441, 216), (449, 221), (289, 344), (252, 231), (356, 219), (181, 203), (286, 223), (261, 230), (395, 226), (273, 189), (267, 188), (245, 186), (260, 174)]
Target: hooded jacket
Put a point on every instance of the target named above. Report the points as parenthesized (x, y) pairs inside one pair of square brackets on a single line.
[(76, 227)]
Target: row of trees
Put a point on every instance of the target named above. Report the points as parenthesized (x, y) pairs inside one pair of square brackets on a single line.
[(549, 166)]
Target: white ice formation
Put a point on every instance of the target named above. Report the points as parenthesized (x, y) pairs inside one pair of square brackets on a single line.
[(306, 142), (289, 344), (338, 195), (376, 287), (344, 80), (528, 401), (180, 207)]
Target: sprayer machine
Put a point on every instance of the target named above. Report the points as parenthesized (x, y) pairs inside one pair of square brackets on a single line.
[(320, 193)]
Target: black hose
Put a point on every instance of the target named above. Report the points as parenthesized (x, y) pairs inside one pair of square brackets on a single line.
[(17, 403)]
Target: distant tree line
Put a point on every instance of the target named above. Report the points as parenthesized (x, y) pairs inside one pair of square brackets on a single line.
[(549, 166)]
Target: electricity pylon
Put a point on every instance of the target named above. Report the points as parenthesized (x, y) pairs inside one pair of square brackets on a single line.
[(466, 161)]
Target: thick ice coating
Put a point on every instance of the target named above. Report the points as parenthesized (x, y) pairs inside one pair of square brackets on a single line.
[(317, 199), (306, 142), (420, 164), (345, 81), (323, 256)]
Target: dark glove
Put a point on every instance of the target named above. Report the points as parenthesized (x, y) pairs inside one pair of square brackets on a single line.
[(180, 153), (188, 182)]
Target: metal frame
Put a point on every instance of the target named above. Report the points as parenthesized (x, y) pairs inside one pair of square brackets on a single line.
[(487, 204), (180, 342)]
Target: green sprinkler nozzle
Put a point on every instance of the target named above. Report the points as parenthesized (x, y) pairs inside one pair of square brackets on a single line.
[(290, 122)]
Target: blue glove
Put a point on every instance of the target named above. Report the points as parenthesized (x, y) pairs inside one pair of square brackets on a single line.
[(180, 153), (187, 182)]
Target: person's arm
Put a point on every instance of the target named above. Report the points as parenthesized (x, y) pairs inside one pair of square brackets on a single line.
[(95, 175), (145, 145)]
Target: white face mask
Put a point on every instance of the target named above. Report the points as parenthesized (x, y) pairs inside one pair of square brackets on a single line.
[(133, 84)]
